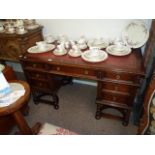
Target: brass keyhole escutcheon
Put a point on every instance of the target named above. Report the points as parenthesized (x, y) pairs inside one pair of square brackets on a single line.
[(86, 72), (37, 75), (118, 77), (116, 88)]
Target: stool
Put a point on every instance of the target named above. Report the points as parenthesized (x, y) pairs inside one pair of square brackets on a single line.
[(14, 110)]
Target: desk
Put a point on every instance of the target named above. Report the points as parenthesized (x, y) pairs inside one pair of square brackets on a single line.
[(118, 78)]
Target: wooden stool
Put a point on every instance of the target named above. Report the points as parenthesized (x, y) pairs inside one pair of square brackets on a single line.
[(15, 111)]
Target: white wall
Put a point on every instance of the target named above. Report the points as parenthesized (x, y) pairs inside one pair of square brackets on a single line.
[(91, 28)]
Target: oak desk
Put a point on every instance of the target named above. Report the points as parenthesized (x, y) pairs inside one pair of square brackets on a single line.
[(118, 78)]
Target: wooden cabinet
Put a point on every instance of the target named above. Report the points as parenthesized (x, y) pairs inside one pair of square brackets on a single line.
[(13, 45), (118, 78)]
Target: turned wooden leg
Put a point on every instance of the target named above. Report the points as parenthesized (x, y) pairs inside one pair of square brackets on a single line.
[(98, 112), (126, 118), (22, 124)]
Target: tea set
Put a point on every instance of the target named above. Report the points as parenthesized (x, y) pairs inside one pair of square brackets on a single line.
[(17, 26)]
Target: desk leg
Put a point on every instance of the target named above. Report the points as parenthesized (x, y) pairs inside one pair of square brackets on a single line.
[(22, 124)]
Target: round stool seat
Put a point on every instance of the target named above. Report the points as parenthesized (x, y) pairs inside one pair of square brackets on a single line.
[(19, 103), (14, 110)]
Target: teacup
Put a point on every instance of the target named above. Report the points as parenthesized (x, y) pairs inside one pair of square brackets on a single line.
[(82, 40), (11, 29), (41, 45), (1, 28), (49, 39), (21, 29)]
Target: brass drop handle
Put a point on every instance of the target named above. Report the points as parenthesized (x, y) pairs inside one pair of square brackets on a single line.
[(114, 98), (58, 68), (37, 75), (40, 84), (34, 65), (86, 72)]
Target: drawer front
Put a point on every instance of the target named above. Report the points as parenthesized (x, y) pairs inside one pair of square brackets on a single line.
[(120, 77), (72, 71), (118, 87), (37, 75), (34, 65), (40, 84), (117, 98)]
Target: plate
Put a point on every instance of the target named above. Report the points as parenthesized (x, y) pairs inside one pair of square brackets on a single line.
[(96, 58), (35, 49), (72, 53), (118, 50), (1, 67), (135, 34), (59, 53)]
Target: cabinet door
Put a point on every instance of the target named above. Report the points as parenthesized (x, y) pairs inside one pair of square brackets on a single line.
[(10, 49)]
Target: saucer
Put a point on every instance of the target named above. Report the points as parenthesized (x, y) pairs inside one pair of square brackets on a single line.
[(118, 50), (35, 49), (2, 31), (87, 56), (57, 52), (72, 53)]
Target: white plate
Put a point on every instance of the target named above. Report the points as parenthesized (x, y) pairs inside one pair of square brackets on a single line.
[(98, 58), (1, 67), (135, 34), (35, 49), (118, 50), (72, 53), (59, 53)]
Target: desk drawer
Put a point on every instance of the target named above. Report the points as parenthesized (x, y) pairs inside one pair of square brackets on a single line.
[(73, 71), (34, 65), (119, 76), (117, 87), (117, 98), (37, 75)]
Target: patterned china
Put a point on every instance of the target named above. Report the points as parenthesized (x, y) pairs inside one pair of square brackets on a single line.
[(118, 50), (135, 34), (49, 39), (35, 49), (60, 50), (94, 55)]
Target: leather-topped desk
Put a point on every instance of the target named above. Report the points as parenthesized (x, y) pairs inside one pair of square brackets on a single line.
[(118, 78)]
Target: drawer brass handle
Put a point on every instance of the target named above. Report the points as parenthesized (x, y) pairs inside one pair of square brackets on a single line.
[(40, 84), (118, 77), (86, 72), (116, 88), (37, 75), (58, 68), (34, 65), (114, 98)]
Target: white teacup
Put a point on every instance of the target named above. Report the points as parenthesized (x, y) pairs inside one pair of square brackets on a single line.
[(21, 29), (11, 29), (41, 45), (49, 39), (1, 28)]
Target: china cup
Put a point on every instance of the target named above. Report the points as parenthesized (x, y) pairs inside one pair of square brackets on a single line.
[(11, 29), (1, 28), (21, 29), (41, 45), (49, 39)]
